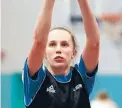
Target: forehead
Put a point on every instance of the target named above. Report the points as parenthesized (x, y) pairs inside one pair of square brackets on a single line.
[(59, 35)]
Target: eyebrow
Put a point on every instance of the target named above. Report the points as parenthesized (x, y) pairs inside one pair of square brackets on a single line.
[(64, 41), (52, 41), (61, 41)]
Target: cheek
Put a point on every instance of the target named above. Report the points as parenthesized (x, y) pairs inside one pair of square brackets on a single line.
[(68, 54), (49, 53)]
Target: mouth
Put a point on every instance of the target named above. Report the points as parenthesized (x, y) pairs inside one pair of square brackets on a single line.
[(59, 59)]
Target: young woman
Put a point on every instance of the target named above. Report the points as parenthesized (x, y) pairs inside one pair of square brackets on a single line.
[(58, 84)]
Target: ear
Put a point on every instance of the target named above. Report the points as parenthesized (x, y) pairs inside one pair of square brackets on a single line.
[(74, 53)]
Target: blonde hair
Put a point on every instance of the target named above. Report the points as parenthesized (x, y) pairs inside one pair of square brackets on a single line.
[(70, 32)]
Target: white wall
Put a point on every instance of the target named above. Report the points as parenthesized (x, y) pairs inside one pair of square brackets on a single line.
[(18, 21), (108, 6)]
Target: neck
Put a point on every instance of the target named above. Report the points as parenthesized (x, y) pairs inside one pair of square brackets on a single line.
[(59, 71)]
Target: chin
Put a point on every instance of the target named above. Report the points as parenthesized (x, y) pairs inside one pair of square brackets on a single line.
[(59, 65)]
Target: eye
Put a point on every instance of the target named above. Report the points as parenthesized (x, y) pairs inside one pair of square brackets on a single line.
[(52, 44), (64, 44)]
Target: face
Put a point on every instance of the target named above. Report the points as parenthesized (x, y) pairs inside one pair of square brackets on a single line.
[(59, 49)]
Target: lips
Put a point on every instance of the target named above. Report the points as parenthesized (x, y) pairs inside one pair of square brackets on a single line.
[(59, 57)]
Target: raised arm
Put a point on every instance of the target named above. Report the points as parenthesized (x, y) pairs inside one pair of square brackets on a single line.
[(90, 54), (36, 54)]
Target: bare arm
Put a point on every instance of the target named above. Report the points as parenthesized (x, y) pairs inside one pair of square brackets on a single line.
[(36, 55), (111, 17), (91, 52)]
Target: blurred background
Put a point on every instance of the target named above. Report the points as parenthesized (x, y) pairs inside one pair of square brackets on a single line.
[(18, 18)]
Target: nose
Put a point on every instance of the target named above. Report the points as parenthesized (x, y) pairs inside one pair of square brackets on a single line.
[(58, 49)]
